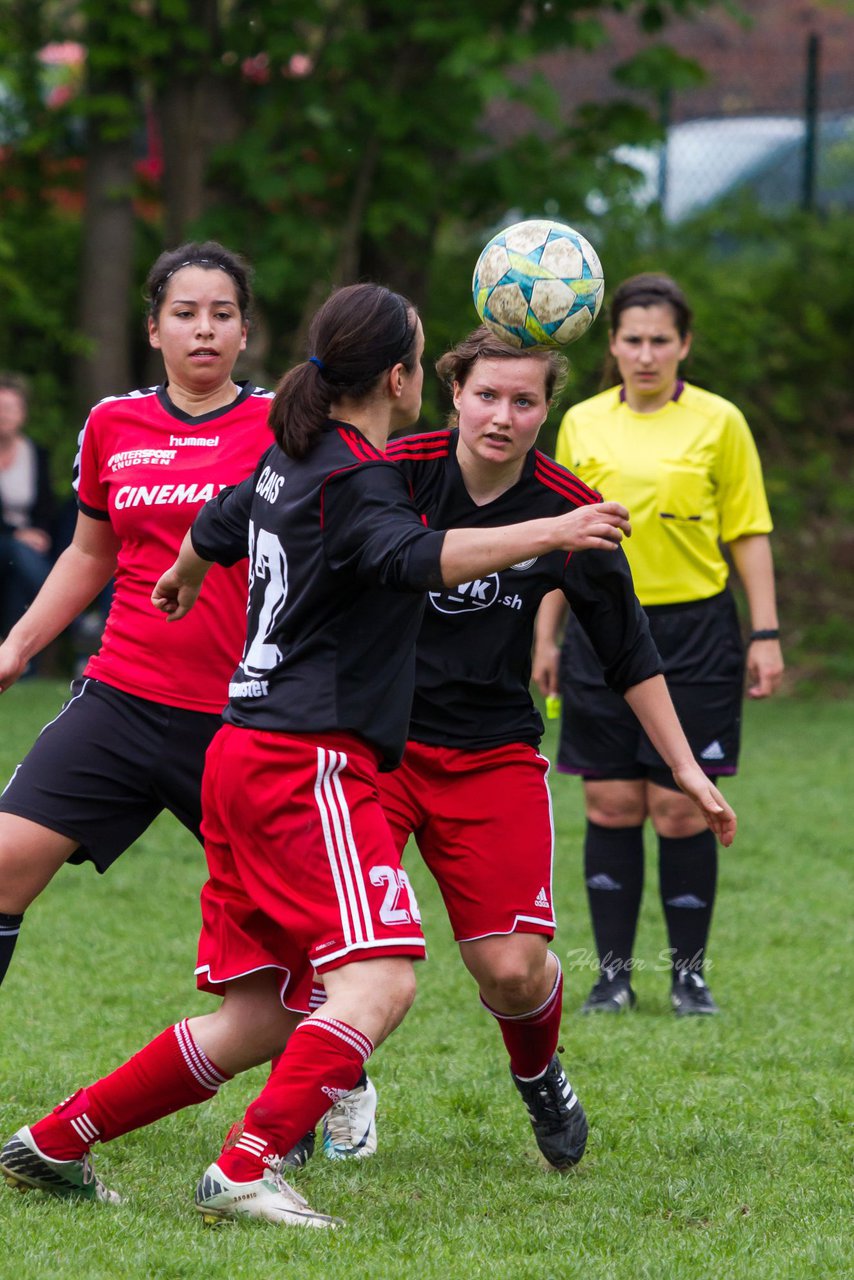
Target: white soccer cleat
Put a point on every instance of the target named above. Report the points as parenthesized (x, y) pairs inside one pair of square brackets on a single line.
[(27, 1168), (350, 1127), (269, 1198)]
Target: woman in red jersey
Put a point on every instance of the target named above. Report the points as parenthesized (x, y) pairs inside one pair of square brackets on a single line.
[(305, 881), (131, 740), (472, 786)]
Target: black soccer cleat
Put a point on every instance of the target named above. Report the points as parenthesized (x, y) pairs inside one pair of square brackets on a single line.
[(557, 1117), (610, 994), (300, 1153), (690, 995)]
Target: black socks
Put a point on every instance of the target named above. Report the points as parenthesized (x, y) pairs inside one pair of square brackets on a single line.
[(613, 873), (688, 872), (9, 929)]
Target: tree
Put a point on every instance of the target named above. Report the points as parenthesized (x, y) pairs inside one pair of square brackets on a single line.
[(350, 138)]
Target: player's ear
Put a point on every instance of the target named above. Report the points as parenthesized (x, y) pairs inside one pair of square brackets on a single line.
[(686, 345), (457, 392), (153, 334)]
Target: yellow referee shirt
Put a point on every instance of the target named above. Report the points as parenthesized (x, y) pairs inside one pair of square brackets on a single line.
[(690, 476)]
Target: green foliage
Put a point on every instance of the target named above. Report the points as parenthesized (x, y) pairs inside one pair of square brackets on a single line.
[(389, 139), (718, 1148)]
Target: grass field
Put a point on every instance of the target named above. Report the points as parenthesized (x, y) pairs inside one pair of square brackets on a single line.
[(719, 1148)]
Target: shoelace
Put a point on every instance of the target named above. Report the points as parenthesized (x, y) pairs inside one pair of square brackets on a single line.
[(339, 1122), (285, 1189), (553, 1101)]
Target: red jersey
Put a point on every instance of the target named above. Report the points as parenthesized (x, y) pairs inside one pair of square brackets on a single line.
[(147, 467)]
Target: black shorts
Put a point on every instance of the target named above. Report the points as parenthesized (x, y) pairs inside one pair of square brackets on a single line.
[(110, 762), (703, 658)]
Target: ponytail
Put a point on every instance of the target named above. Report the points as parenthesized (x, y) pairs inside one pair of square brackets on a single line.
[(359, 333)]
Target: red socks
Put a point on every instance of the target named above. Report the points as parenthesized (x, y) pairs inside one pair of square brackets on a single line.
[(170, 1073), (323, 1060), (531, 1038)]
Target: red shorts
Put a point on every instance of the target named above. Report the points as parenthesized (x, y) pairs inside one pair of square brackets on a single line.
[(483, 823), (304, 875)]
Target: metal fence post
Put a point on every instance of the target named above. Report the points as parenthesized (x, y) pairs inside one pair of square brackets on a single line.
[(811, 121)]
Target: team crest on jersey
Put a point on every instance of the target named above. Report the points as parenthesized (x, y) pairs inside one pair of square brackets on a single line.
[(524, 564), (468, 597)]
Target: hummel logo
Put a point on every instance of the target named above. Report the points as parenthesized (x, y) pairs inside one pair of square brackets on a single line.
[(714, 751), (541, 899)]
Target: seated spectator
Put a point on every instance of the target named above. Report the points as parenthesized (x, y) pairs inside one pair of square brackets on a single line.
[(26, 507)]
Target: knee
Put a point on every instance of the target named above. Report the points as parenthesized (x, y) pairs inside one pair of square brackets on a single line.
[(613, 813), (616, 802), (399, 993), (21, 878), (512, 985), (675, 817)]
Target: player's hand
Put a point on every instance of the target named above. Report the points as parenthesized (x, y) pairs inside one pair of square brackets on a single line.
[(599, 527), (764, 668), (174, 595), (714, 808), (13, 664), (545, 667)]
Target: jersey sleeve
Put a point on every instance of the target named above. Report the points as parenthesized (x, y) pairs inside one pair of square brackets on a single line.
[(372, 529), (220, 532), (600, 591), (742, 503), (92, 494)]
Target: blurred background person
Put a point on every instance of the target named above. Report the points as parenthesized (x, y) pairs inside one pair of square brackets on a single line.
[(26, 507), (685, 464)]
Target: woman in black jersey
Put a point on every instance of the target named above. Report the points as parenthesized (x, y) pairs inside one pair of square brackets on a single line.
[(304, 880), (472, 787)]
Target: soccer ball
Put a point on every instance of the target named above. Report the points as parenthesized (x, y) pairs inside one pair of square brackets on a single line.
[(538, 284)]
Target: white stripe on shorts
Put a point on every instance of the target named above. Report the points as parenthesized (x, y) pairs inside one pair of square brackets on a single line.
[(341, 849), (59, 713)]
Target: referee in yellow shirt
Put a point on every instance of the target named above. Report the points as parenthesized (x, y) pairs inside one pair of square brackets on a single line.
[(685, 464)]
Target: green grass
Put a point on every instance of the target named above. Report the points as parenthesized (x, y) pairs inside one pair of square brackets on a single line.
[(718, 1148)]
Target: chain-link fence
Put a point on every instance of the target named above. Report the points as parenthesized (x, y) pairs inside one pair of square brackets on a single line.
[(774, 112)]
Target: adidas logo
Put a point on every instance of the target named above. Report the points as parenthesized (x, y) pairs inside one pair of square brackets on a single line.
[(335, 1094), (687, 900), (541, 899), (714, 751), (602, 881)]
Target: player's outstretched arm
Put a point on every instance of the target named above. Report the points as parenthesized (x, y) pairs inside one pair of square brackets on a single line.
[(650, 700), (178, 588), (466, 553)]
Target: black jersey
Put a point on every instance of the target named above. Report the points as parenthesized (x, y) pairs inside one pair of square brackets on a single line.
[(474, 649), (339, 560)]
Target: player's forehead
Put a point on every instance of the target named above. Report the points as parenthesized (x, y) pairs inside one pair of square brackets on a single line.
[(209, 285), (657, 319), (514, 375)]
